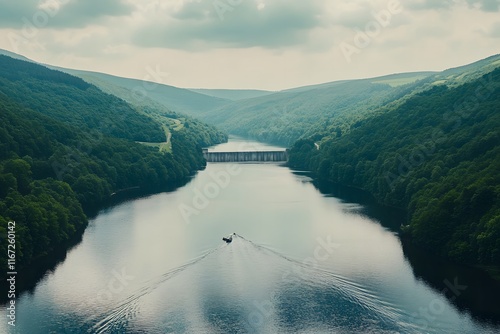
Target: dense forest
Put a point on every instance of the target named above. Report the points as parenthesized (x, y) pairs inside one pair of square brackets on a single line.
[(437, 155), (73, 101), (55, 168)]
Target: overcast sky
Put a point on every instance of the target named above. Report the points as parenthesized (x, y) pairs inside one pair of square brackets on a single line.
[(262, 44)]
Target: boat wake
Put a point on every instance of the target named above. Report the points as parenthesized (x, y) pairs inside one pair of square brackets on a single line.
[(244, 287), (125, 311)]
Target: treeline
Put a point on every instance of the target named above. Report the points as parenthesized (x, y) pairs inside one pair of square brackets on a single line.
[(203, 134), (53, 172), (438, 156)]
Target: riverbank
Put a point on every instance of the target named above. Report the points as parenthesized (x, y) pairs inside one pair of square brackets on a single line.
[(28, 276), (481, 284), (364, 196), (325, 263)]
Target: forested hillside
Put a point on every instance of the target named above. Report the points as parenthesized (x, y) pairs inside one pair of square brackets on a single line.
[(173, 98), (54, 168), (336, 107), (283, 117), (73, 101), (206, 135), (437, 155)]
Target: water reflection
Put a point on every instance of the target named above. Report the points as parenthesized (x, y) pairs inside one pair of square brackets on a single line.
[(306, 262), (244, 287), (471, 290)]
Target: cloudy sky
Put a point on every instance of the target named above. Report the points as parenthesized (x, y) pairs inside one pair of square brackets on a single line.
[(263, 44)]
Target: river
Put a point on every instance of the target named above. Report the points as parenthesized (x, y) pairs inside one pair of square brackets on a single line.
[(301, 261)]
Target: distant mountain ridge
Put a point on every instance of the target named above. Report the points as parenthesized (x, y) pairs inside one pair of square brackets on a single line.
[(390, 79), (334, 107), (132, 90), (285, 116), (233, 94), (177, 99)]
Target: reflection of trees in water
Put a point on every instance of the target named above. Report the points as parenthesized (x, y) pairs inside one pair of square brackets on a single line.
[(28, 278), (469, 289), (388, 217), (479, 299)]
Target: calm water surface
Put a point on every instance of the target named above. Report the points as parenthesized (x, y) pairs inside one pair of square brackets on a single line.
[(300, 262)]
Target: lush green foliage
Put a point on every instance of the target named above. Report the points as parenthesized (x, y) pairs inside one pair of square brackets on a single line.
[(437, 154), (158, 102), (72, 100), (202, 133), (283, 118), (52, 171)]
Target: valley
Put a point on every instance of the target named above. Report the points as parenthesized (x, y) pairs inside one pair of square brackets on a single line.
[(423, 143)]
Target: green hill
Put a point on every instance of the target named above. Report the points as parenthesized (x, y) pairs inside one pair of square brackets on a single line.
[(283, 117), (57, 161), (437, 154), (73, 101), (135, 91), (286, 116), (336, 107)]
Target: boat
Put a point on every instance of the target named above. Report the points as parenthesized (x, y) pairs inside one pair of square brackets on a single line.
[(229, 239)]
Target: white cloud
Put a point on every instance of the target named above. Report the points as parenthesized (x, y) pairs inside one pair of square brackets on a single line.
[(59, 14), (270, 44), (220, 24)]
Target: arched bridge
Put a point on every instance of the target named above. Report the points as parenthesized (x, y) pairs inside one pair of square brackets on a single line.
[(246, 156)]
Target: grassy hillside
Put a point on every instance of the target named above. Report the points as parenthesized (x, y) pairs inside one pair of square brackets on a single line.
[(170, 121), (437, 154), (163, 104)]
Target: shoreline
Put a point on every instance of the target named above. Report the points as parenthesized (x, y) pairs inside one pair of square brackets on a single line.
[(29, 276)]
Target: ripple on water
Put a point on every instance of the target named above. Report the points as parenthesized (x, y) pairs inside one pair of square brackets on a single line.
[(243, 287)]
